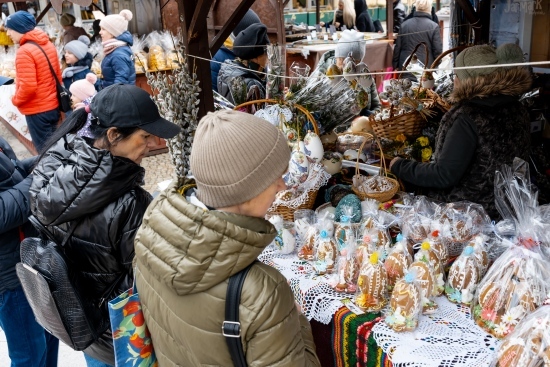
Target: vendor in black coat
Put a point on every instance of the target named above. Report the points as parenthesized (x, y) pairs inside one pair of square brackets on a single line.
[(486, 128), (420, 28), (363, 21)]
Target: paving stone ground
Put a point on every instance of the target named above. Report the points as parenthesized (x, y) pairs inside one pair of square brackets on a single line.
[(158, 168)]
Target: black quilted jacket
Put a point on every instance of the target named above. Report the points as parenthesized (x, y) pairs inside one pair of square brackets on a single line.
[(14, 211), (76, 182)]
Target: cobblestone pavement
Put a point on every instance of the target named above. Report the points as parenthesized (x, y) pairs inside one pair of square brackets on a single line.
[(158, 168)]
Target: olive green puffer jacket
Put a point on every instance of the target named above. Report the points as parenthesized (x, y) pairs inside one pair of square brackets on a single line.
[(184, 257)]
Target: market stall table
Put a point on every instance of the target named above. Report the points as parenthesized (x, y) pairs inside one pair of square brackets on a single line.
[(449, 337)]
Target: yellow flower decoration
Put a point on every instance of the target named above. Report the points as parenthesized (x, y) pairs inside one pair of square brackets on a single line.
[(426, 154), (423, 141), (401, 138)]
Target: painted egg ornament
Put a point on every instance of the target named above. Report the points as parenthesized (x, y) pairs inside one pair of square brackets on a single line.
[(332, 162), (349, 70), (299, 165), (291, 135), (313, 147), (360, 124), (364, 80), (406, 83)]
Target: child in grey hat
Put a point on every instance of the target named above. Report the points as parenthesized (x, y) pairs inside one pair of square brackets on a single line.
[(78, 59)]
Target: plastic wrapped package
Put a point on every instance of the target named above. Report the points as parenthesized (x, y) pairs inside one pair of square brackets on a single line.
[(140, 56), (170, 44), (480, 253), (438, 242), (344, 229), (462, 221), (425, 278), (416, 221), (372, 288), (348, 271), (405, 304), (8, 63), (326, 250), (515, 285), (427, 255), (529, 344), (397, 262), (307, 248), (157, 58), (463, 278)]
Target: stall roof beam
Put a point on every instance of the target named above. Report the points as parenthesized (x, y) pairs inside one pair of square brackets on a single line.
[(193, 18), (231, 23)]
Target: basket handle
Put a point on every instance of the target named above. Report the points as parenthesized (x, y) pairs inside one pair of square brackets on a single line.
[(299, 107), (414, 51), (381, 156)]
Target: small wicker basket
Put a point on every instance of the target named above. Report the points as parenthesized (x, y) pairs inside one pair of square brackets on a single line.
[(343, 146), (381, 196)]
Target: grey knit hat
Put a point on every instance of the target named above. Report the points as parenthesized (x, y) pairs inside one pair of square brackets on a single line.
[(236, 156), (78, 47), (508, 53), (351, 41)]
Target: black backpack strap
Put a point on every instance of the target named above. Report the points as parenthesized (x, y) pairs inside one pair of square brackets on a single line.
[(48, 60), (45, 232), (231, 327)]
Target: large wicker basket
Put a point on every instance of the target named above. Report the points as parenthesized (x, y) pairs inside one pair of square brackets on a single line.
[(285, 211), (410, 123)]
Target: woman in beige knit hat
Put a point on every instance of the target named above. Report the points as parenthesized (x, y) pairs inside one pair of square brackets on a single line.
[(196, 236), (70, 32)]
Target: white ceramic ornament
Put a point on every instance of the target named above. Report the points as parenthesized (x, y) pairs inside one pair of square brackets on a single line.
[(313, 147), (364, 79), (299, 166), (349, 70), (288, 241), (351, 155)]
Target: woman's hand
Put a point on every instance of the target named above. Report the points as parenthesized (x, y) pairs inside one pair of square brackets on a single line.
[(393, 162)]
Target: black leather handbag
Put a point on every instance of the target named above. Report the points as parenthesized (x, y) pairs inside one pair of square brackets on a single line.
[(46, 276), (63, 95)]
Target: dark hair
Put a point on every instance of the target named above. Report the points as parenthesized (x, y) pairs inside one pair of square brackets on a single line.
[(75, 122)]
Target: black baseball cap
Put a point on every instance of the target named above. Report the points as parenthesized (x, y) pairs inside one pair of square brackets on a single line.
[(125, 105)]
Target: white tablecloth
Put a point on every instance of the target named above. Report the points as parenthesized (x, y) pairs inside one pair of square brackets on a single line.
[(447, 338), (10, 113)]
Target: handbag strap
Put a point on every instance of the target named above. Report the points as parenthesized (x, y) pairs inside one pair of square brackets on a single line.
[(44, 230), (231, 327), (47, 59)]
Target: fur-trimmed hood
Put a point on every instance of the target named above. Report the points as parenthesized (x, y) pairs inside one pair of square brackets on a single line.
[(503, 81)]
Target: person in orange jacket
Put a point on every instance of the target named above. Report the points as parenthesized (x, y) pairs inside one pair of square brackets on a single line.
[(35, 87)]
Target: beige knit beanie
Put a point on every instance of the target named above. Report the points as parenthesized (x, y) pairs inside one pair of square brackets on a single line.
[(116, 24), (236, 156), (424, 6), (481, 55)]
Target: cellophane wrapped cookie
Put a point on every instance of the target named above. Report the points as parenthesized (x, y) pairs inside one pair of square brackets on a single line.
[(398, 261), (326, 251), (343, 230), (157, 58), (307, 248), (438, 242), (428, 255), (96, 50), (529, 344), (140, 56), (462, 221), (416, 221), (348, 270), (518, 281), (405, 304), (463, 278), (372, 291), (425, 278)]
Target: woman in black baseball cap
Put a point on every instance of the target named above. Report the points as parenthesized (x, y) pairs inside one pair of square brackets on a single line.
[(95, 185)]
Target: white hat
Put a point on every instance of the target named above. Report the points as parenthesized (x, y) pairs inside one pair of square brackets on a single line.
[(116, 24)]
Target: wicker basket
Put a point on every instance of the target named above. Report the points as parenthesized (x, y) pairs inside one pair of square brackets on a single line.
[(287, 212), (410, 123), (381, 196)]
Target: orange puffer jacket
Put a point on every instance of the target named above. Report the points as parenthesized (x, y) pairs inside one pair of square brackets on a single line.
[(35, 89)]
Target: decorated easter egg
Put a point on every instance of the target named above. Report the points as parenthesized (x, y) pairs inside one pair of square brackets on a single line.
[(352, 201), (299, 165), (396, 264), (426, 280), (349, 70), (364, 80), (361, 124), (332, 162), (313, 147)]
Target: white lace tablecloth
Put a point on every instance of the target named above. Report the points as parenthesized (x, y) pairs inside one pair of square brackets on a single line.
[(312, 292), (447, 338)]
